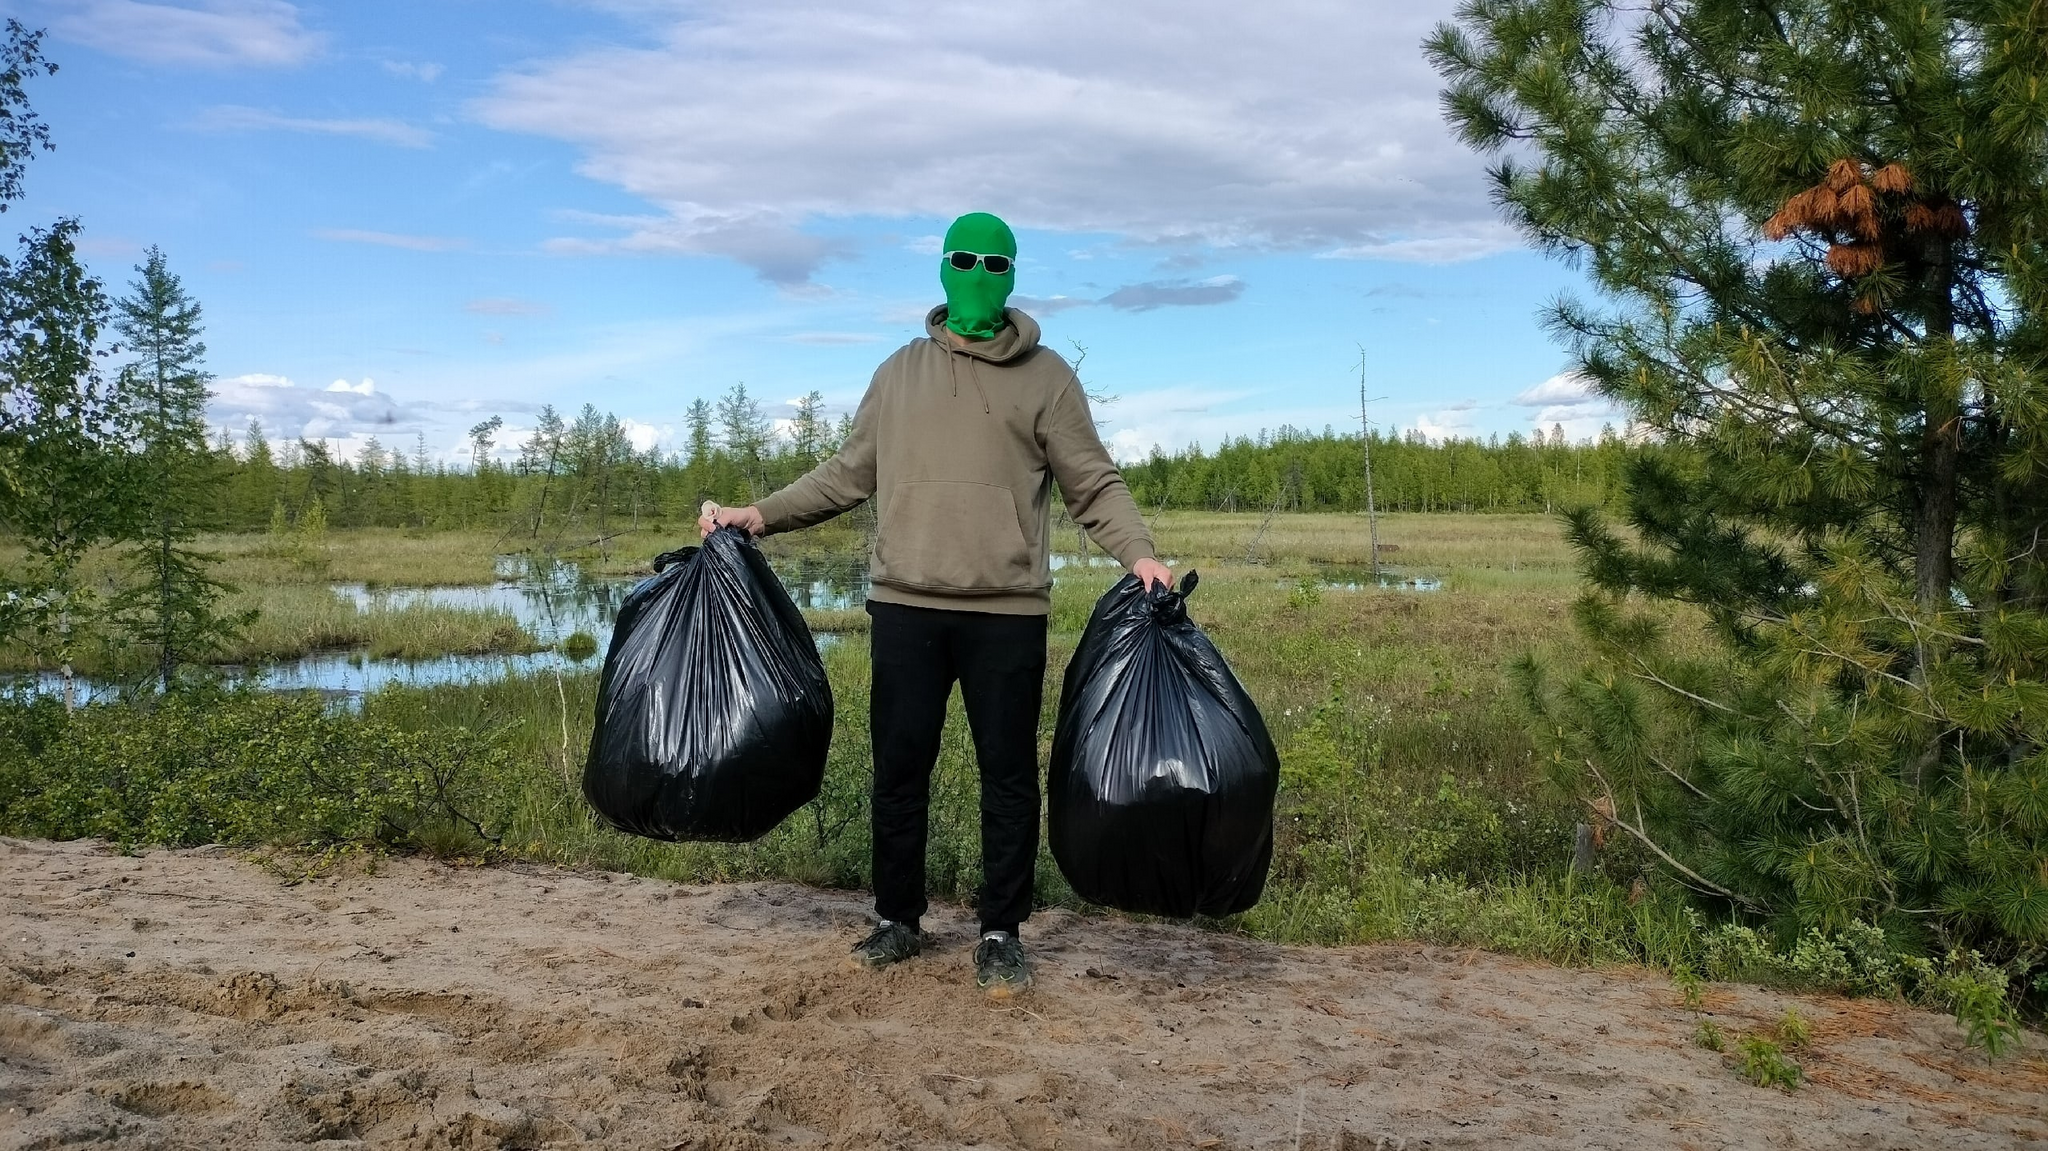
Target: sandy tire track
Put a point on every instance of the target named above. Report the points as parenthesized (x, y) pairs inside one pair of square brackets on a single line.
[(190, 999)]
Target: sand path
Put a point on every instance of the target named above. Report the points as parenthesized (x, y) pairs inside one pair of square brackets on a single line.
[(192, 999)]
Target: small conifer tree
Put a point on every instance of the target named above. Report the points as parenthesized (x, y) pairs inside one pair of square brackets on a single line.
[(1820, 230), (170, 607)]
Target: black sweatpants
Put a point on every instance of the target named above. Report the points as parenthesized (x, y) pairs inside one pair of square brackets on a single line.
[(999, 661)]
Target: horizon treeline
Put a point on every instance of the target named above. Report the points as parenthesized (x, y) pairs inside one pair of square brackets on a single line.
[(582, 475)]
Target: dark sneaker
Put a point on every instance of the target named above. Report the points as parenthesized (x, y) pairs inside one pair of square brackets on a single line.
[(999, 966), (886, 944)]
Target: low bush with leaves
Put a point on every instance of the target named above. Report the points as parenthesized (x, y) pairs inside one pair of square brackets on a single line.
[(1763, 1063), (195, 767)]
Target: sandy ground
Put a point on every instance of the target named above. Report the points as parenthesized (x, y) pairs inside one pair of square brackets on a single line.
[(193, 999)]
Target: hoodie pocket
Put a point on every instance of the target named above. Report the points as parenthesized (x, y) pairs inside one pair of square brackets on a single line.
[(953, 536)]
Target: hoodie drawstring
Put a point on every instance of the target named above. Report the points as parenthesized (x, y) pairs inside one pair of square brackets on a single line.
[(953, 368), (974, 374)]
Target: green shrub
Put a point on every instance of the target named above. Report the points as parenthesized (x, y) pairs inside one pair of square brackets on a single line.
[(195, 767), (1765, 1065), (1793, 1029), (1861, 959)]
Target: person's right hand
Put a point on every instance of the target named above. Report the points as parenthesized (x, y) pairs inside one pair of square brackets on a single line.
[(715, 517)]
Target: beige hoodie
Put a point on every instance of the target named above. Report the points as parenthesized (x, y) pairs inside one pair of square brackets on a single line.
[(959, 448)]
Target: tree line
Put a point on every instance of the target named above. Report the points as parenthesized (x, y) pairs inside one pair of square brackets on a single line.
[(578, 478)]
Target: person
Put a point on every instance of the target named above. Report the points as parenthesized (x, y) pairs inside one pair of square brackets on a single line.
[(959, 439)]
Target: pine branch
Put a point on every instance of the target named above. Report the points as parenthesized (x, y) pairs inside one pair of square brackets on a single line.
[(1641, 836), (1667, 685)]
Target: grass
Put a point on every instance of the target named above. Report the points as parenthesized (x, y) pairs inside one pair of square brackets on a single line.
[(376, 557), (296, 620), (1410, 806), (1526, 548)]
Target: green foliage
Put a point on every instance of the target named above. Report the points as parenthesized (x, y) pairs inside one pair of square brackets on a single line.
[(1306, 471), (1305, 593), (170, 605), (1793, 1030), (22, 132), (59, 440), (1986, 1017), (1861, 959), (571, 477), (1764, 1064), (1821, 232), (1708, 1034), (200, 767), (1691, 988)]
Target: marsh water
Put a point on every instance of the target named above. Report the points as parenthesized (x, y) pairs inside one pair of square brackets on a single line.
[(555, 600)]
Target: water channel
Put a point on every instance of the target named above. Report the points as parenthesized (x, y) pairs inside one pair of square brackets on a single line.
[(554, 600)]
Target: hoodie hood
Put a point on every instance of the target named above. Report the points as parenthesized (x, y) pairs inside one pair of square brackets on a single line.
[(1017, 338)]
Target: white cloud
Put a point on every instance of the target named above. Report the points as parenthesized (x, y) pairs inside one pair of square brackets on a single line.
[(1173, 418), (644, 436), (1569, 400), (1175, 294), (288, 411), (237, 118), (1454, 422), (1481, 241), (425, 73), (1562, 388), (1049, 305), (391, 239), (779, 254), (213, 33), (1579, 421), (506, 306), (1294, 125)]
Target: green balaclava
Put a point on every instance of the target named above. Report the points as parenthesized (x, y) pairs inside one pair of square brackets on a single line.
[(974, 298)]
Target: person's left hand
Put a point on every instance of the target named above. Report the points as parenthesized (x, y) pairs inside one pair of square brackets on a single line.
[(1150, 571)]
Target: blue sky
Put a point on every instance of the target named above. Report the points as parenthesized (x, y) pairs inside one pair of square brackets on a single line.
[(404, 217)]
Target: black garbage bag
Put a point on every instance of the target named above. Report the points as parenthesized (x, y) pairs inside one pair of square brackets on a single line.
[(1160, 794), (713, 713)]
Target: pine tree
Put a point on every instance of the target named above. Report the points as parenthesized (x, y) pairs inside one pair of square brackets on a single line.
[(170, 608), (745, 432), (742, 427), (1822, 231), (699, 423), (482, 438), (541, 455), (810, 432)]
